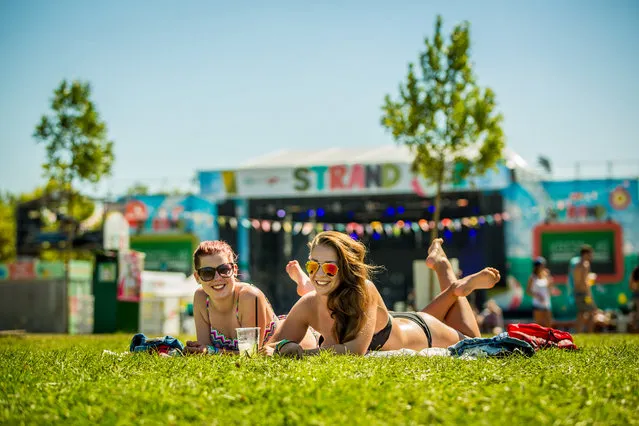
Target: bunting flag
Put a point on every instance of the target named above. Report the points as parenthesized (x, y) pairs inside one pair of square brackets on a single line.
[(390, 229)]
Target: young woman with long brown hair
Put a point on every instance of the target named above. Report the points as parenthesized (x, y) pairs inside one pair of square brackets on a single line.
[(349, 313)]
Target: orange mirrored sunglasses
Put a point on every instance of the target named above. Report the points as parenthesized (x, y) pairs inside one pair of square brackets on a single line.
[(329, 269)]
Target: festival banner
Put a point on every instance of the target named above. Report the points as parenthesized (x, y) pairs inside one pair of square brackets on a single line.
[(336, 180), (131, 265)]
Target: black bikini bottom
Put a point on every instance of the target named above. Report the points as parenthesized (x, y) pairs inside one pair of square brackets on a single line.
[(380, 338), (417, 319)]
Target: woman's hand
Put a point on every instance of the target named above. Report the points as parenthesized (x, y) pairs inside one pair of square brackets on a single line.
[(267, 350), (194, 348)]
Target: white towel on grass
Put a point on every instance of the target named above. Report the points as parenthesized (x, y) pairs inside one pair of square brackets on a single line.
[(411, 352)]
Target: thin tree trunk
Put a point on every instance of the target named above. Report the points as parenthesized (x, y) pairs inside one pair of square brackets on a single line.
[(434, 232), (68, 253)]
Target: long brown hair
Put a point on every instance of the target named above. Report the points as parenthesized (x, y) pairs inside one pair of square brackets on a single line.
[(347, 303)]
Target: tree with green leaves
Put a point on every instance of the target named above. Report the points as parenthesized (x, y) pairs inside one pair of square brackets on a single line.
[(7, 228), (78, 148), (449, 123)]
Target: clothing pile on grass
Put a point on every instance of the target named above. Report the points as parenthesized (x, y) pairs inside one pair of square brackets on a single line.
[(541, 337), (167, 345), (523, 339), (164, 346)]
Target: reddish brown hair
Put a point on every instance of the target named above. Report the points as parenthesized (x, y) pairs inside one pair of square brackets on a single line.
[(207, 248)]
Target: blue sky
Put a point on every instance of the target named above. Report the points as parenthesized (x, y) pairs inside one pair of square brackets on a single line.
[(209, 84)]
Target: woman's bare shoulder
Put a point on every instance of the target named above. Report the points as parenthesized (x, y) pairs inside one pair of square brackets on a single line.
[(372, 288), (308, 302), (248, 292), (374, 296), (199, 296), (369, 284)]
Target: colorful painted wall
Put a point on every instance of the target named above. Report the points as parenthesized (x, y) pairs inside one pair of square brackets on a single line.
[(554, 219), (162, 214), (168, 228)]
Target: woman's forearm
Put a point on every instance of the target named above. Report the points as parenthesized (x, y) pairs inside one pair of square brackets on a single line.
[(338, 349), (291, 348)]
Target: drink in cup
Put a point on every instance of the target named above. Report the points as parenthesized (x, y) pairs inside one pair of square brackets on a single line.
[(247, 338)]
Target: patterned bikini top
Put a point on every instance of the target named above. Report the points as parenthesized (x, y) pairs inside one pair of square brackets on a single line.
[(220, 341)]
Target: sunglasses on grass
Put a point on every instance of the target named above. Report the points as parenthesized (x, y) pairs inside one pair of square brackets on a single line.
[(329, 269), (224, 270)]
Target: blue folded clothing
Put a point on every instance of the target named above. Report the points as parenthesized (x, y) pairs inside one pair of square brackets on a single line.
[(165, 345), (498, 346)]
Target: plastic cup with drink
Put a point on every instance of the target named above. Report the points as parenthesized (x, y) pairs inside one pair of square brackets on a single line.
[(247, 338)]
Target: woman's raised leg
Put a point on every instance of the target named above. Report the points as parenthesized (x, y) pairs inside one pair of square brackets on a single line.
[(451, 305)]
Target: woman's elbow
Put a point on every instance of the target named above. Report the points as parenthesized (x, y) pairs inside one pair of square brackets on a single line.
[(352, 350)]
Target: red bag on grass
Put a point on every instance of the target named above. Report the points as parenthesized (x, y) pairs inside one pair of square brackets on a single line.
[(541, 337)]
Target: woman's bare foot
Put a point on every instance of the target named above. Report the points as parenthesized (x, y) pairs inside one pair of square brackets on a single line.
[(486, 278), (296, 273), (436, 253)]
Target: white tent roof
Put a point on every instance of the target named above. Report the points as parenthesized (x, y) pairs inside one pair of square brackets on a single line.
[(391, 153)]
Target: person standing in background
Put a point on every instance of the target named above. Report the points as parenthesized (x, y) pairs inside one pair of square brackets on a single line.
[(539, 287), (582, 280)]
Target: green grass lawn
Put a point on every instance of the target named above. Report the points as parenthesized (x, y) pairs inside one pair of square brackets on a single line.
[(62, 379)]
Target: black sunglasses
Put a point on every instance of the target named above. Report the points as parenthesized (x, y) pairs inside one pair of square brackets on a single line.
[(224, 270)]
